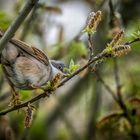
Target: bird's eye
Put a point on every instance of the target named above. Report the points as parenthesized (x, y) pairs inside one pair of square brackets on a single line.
[(60, 67)]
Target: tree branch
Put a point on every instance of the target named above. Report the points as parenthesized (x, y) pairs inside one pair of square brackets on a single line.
[(106, 86), (46, 93), (133, 41), (90, 46), (16, 23)]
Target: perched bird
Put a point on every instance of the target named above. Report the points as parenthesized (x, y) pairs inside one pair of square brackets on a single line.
[(27, 67)]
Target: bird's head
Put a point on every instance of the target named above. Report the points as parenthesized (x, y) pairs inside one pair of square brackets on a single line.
[(58, 67)]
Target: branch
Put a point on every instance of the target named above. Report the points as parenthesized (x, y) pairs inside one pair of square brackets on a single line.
[(115, 23), (100, 56), (90, 46), (107, 87), (118, 85), (44, 94), (16, 23), (133, 41)]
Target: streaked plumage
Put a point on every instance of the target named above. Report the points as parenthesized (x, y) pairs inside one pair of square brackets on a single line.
[(25, 65)]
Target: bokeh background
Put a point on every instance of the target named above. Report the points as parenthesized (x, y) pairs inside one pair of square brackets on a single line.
[(75, 111)]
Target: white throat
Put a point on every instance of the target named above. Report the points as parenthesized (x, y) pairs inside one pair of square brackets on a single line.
[(55, 71)]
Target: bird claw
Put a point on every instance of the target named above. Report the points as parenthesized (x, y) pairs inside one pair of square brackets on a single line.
[(15, 100)]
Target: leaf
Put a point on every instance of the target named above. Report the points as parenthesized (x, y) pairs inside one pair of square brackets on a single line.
[(71, 64), (72, 67), (136, 34)]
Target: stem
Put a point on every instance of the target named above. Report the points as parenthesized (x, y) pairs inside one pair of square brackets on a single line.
[(90, 46), (107, 87), (133, 41), (45, 93), (118, 84)]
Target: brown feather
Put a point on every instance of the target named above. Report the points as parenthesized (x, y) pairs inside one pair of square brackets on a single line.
[(36, 53)]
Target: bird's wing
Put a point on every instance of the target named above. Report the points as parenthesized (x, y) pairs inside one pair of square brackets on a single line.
[(36, 53)]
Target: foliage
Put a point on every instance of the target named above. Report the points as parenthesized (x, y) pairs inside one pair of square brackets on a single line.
[(72, 67)]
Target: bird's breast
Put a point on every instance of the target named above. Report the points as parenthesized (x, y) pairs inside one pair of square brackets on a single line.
[(30, 71), (26, 71)]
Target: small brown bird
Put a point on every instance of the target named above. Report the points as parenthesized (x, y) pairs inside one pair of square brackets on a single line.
[(27, 67)]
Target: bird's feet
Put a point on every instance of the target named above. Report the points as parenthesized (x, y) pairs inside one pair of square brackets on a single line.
[(15, 99)]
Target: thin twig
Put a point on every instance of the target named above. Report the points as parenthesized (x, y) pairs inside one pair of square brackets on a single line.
[(133, 41), (112, 93), (90, 46), (118, 84), (16, 23), (116, 69), (96, 58), (44, 94), (120, 101)]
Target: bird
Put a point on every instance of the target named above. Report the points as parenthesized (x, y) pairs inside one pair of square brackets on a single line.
[(26, 66)]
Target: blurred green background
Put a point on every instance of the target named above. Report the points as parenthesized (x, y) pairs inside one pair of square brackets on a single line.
[(75, 111)]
